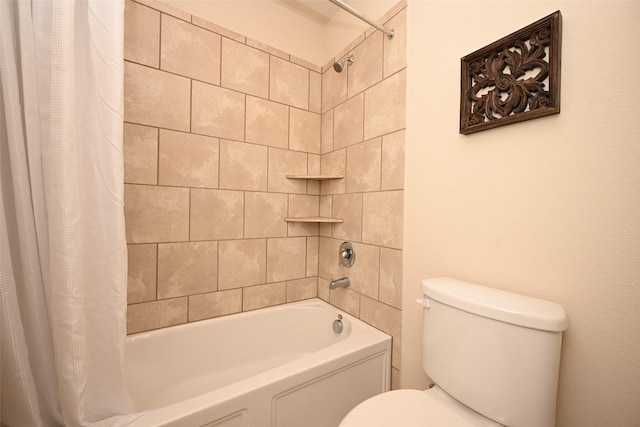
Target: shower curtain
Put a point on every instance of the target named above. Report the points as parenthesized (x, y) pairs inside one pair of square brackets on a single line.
[(63, 256)]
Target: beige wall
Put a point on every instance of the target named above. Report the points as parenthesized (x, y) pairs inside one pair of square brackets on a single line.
[(548, 208)]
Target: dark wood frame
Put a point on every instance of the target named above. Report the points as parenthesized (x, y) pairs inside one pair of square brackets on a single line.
[(512, 99)]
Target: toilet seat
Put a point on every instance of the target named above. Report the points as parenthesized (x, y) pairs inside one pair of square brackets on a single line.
[(414, 408)]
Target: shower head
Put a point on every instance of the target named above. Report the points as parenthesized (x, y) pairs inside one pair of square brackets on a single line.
[(339, 66)]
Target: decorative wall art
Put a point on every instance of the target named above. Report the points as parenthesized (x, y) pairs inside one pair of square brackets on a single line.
[(514, 79)]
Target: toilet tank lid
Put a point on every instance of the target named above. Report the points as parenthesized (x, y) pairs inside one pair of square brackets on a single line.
[(497, 304)]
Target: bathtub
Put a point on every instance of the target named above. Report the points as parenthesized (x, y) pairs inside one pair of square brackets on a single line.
[(281, 366)]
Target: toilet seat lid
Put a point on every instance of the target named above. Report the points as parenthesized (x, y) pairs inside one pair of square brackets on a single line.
[(406, 408)]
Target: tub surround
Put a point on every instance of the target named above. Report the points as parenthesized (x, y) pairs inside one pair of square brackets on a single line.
[(214, 123)]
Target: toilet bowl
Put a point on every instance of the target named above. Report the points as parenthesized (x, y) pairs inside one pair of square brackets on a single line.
[(414, 408)]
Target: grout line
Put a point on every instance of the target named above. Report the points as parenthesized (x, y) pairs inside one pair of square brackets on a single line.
[(157, 245), (157, 157), (160, 42)]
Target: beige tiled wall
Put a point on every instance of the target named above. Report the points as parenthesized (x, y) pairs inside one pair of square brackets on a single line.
[(213, 123), (362, 137)]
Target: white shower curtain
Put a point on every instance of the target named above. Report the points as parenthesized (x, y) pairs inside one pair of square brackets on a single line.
[(63, 256)]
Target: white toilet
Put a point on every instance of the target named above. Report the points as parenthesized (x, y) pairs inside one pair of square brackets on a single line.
[(494, 357)]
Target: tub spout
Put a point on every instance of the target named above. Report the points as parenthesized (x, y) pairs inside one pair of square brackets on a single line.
[(343, 282)]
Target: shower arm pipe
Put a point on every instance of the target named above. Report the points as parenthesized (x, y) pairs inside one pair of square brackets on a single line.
[(339, 3)]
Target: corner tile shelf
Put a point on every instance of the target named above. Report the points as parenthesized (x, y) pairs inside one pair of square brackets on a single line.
[(315, 177), (315, 219)]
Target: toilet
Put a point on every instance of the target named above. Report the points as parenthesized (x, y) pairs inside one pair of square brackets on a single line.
[(493, 355)]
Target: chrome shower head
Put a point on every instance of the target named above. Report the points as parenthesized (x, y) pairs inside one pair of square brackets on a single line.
[(339, 66)]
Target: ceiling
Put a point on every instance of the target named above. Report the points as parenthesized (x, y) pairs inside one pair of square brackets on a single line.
[(320, 11)]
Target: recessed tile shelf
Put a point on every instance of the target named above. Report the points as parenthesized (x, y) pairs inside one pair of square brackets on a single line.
[(315, 177), (318, 219)]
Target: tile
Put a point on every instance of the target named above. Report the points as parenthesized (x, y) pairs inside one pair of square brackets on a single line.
[(304, 131), (326, 210), (255, 297), (367, 68), (326, 132), (264, 215), (393, 161), (363, 166), (303, 205), (217, 111), (313, 164), (300, 229), (242, 263), (323, 289), (333, 163), (243, 166), (385, 106), (286, 258), (395, 379), (391, 277), (218, 29), (300, 206), (289, 83), (382, 222), (141, 34), (267, 123), (312, 256), (385, 318), (348, 122), (216, 214), (156, 314), (214, 304), (187, 268), (269, 49), (395, 49), (141, 282), (140, 145), (156, 98), (315, 92), (306, 64), (301, 289), (244, 69), (189, 50), (156, 214), (313, 168), (334, 89), (283, 163), (345, 299), (364, 273), (328, 267), (166, 8), (188, 160), (349, 208)]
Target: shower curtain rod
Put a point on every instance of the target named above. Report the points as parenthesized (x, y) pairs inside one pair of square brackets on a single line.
[(366, 19)]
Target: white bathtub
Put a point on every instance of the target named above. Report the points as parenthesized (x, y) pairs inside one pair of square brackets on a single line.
[(281, 366)]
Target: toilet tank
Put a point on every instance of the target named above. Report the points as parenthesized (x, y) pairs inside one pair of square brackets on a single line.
[(497, 352)]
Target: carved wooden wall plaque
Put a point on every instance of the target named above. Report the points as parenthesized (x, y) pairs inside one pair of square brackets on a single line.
[(514, 79)]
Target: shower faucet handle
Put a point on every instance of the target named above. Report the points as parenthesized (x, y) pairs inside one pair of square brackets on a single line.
[(346, 254)]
